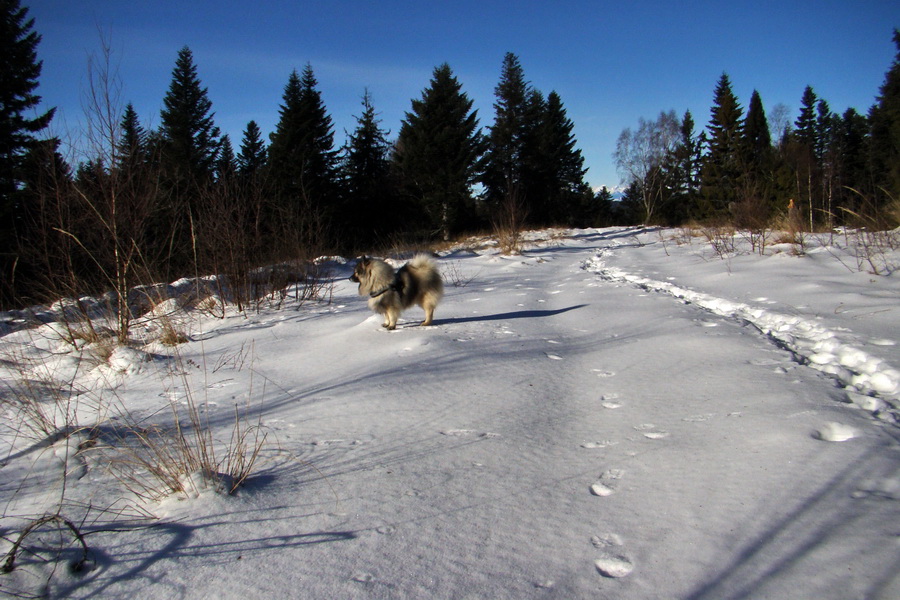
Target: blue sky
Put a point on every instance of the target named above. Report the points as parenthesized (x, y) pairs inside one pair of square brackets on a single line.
[(610, 62)]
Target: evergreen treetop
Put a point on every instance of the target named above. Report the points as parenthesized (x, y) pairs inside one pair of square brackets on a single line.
[(438, 149), (20, 72), (253, 155), (191, 139)]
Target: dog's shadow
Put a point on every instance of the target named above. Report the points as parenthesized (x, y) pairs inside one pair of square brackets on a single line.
[(519, 314)]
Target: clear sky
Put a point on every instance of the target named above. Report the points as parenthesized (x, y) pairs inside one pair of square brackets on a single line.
[(610, 62)]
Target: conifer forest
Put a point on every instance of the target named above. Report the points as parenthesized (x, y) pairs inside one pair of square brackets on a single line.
[(147, 205)]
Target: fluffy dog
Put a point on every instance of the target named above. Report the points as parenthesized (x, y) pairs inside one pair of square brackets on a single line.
[(390, 292)]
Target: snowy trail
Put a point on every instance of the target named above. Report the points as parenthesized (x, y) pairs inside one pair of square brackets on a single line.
[(562, 431), (873, 380)]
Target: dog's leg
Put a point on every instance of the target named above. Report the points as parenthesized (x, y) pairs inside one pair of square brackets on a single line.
[(391, 317), (429, 314)]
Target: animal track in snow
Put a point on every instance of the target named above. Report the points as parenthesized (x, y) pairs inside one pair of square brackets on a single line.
[(614, 565), (698, 418), (598, 444), (606, 485), (612, 562), (468, 432), (835, 432), (650, 431), (336, 442), (610, 401)]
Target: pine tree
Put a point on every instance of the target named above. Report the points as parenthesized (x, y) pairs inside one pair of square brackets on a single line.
[(303, 165), (722, 165), (253, 155), (366, 171), (682, 167), (226, 163), (853, 133), (320, 156), (505, 156), (884, 119), (19, 81), (189, 144), (805, 132), (757, 165), (756, 133), (563, 164), (190, 138), (438, 150), (803, 154), (131, 150)]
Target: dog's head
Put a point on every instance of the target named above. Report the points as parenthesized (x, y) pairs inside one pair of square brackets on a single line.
[(362, 268)]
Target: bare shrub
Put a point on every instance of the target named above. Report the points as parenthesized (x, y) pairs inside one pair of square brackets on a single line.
[(721, 239), (509, 221), (451, 273), (873, 241), (155, 461)]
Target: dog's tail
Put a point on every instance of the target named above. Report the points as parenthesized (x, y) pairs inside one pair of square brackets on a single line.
[(422, 262)]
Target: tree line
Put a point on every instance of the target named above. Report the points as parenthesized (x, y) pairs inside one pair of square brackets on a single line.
[(182, 199), (155, 205), (819, 171)]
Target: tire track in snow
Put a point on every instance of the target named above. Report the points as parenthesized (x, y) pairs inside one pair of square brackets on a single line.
[(871, 383)]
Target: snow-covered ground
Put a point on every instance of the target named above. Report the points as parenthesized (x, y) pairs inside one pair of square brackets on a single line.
[(615, 413)]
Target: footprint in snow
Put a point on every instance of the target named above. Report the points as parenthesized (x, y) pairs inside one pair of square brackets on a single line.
[(614, 565), (650, 431), (468, 432), (363, 578), (698, 418), (834, 432), (599, 444), (606, 486), (613, 562), (610, 401)]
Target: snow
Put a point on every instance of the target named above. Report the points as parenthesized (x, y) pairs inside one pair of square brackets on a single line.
[(615, 413)]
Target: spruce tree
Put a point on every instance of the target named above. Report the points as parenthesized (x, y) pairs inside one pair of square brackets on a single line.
[(366, 172), (505, 156), (189, 144), (132, 145), (884, 119), (253, 155), (18, 124), (757, 136), (757, 161), (303, 164), (682, 167), (563, 163), (226, 162), (438, 150), (805, 125), (190, 138), (803, 152), (722, 165), (853, 133)]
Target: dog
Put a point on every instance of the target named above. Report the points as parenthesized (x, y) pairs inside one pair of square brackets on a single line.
[(390, 292)]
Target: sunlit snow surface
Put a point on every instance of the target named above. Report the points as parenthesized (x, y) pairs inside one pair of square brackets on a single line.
[(616, 413)]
